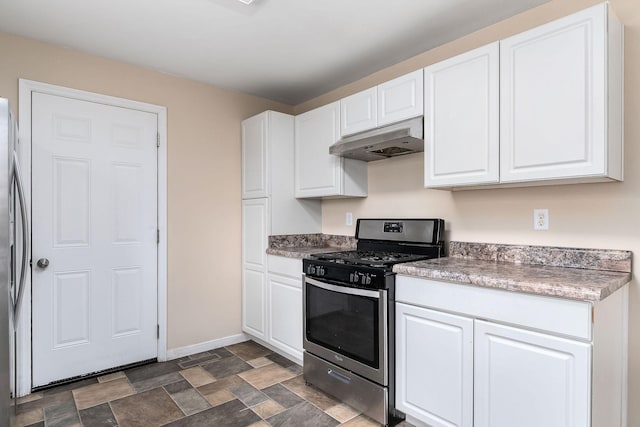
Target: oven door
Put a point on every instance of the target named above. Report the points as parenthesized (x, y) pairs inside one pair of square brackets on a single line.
[(348, 327)]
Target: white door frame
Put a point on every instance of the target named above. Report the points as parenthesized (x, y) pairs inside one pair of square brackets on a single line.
[(26, 88)]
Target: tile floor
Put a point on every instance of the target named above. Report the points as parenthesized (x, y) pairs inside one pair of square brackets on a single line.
[(239, 385)]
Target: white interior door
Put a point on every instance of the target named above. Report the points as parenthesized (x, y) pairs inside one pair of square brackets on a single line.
[(95, 218)]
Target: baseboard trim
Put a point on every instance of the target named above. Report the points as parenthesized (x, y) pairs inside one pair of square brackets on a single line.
[(188, 350)]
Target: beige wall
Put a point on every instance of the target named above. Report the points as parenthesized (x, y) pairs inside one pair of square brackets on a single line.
[(588, 215), (203, 174)]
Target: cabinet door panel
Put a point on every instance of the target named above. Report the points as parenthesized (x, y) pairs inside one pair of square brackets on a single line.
[(461, 119), (317, 173), (285, 314), (253, 303), (400, 98), (434, 359), (529, 379), (553, 99), (254, 157), (359, 112), (255, 229), (255, 232)]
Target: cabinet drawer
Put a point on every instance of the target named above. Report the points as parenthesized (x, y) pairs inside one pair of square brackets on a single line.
[(291, 267), (555, 315)]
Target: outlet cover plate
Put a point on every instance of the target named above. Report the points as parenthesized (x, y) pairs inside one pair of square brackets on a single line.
[(541, 219)]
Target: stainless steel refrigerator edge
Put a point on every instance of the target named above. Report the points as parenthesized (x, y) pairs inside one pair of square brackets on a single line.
[(5, 183), (11, 278)]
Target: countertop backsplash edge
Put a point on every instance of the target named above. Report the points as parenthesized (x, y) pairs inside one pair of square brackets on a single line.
[(550, 256)]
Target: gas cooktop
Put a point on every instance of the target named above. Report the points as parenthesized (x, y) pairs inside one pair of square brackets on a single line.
[(382, 243), (373, 259)]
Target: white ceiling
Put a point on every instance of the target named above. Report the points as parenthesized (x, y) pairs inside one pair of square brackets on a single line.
[(285, 50)]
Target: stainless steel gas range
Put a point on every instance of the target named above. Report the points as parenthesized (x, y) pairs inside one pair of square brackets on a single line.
[(349, 312)]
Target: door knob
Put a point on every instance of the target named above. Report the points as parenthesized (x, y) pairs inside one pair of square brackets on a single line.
[(43, 263)]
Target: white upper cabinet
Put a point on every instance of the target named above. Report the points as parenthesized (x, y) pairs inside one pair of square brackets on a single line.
[(359, 112), (541, 107), (318, 173), (560, 98), (393, 101), (400, 98), (255, 183), (268, 171), (461, 119)]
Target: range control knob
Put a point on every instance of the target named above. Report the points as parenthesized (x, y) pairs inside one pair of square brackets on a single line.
[(311, 269), (364, 278), (353, 277), (320, 270)]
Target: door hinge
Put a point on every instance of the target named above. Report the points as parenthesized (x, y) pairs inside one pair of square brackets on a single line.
[(158, 236), (158, 139), (158, 331)]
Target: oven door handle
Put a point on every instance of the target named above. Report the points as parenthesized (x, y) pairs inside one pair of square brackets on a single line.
[(343, 289)]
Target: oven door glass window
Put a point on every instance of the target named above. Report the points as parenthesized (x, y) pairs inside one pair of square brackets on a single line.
[(347, 324)]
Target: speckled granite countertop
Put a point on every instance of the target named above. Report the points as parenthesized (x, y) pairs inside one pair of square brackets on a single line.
[(303, 245), (581, 274)]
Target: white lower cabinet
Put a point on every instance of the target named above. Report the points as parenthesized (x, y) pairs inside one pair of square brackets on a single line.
[(254, 318), (434, 357), (255, 229), (283, 306), (528, 379), (285, 314), (477, 357), (272, 304)]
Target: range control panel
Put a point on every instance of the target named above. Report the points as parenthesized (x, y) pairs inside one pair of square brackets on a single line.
[(339, 274)]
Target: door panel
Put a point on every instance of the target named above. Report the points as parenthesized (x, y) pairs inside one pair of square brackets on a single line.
[(95, 219), (359, 112), (285, 314), (553, 98), (127, 301), (254, 157), (434, 359), (400, 98), (127, 183), (71, 309), (254, 300), (462, 89), (529, 379), (255, 230), (71, 201), (317, 173)]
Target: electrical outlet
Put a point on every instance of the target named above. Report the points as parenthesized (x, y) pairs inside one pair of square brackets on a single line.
[(541, 219), (348, 219)]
